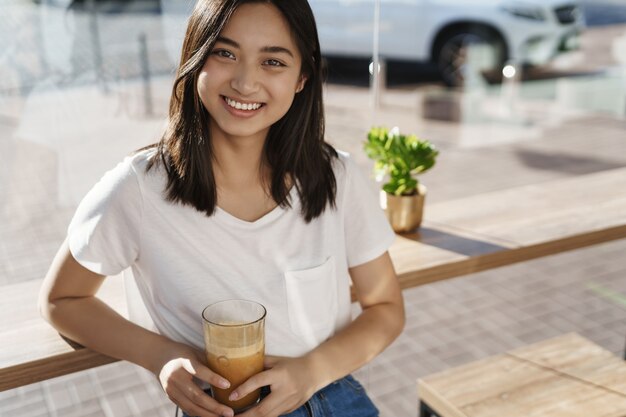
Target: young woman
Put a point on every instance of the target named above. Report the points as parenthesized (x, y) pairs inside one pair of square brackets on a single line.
[(241, 198)]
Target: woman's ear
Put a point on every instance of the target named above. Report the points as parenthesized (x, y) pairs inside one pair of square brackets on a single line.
[(301, 83)]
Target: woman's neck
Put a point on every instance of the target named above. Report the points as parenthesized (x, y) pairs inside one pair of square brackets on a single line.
[(239, 162), (242, 177)]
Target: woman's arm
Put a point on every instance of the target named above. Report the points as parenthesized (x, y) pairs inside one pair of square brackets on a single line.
[(294, 380), (381, 322), (68, 301)]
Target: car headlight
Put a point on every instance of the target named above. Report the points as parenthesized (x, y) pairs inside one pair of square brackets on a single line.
[(525, 11)]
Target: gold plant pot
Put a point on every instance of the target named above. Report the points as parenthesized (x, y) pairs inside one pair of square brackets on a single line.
[(404, 212)]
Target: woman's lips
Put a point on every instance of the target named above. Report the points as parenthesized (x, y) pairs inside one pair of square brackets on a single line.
[(241, 105), (242, 108)]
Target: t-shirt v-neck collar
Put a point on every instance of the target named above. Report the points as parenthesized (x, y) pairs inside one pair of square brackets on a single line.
[(225, 217)]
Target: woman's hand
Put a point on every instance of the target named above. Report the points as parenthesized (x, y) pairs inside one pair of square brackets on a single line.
[(177, 379), (291, 384)]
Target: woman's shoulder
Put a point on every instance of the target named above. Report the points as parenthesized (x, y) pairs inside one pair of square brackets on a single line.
[(144, 166), (343, 165), (148, 169), (141, 159), (131, 174), (352, 175)]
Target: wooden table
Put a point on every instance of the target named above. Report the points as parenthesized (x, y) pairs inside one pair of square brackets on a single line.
[(30, 349), (564, 376), (500, 228), (458, 237)]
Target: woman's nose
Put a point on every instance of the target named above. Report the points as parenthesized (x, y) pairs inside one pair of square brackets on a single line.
[(245, 80)]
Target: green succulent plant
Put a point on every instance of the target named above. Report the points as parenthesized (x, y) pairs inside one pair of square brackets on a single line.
[(403, 157)]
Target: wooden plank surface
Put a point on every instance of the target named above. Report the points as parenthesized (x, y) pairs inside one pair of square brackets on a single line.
[(540, 212), (523, 383), (575, 356), (490, 230), (440, 264), (543, 394), (32, 350)]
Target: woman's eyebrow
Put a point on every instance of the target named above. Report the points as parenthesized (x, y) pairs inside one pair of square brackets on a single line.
[(276, 49), (270, 49)]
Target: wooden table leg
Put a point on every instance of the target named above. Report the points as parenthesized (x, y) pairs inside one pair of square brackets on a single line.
[(426, 411)]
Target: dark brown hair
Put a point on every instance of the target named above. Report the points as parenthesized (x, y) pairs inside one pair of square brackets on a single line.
[(295, 144)]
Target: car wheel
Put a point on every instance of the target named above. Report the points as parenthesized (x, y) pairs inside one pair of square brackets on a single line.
[(452, 56)]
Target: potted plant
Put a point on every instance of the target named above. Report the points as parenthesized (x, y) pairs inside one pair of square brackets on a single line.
[(403, 158)]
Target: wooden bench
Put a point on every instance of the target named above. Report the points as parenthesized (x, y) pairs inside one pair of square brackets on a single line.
[(564, 376), (458, 237)]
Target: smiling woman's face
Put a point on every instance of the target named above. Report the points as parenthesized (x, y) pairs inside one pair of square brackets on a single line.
[(251, 76)]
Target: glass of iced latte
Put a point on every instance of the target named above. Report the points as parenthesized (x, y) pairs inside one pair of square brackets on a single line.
[(234, 336)]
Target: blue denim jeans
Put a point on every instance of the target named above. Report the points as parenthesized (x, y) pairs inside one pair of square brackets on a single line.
[(345, 397)]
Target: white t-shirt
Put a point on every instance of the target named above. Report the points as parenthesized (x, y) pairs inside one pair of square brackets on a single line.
[(184, 260)]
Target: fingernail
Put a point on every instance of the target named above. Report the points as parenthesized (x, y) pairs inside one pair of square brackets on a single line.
[(233, 396), (225, 384), (229, 413)]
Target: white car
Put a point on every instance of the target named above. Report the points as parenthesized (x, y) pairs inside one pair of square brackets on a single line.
[(529, 32)]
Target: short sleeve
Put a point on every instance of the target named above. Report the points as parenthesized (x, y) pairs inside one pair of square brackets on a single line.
[(367, 231), (104, 233)]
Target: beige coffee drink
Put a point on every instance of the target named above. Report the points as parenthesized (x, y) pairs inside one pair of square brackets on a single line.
[(234, 336)]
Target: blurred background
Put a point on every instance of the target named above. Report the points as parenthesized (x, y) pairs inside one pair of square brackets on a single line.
[(512, 92)]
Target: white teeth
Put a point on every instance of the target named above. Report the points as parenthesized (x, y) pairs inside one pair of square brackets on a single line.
[(242, 106)]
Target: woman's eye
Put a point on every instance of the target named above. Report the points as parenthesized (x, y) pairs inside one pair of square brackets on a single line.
[(274, 63), (223, 53)]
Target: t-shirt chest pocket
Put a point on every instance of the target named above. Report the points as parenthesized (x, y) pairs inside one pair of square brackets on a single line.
[(312, 302)]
